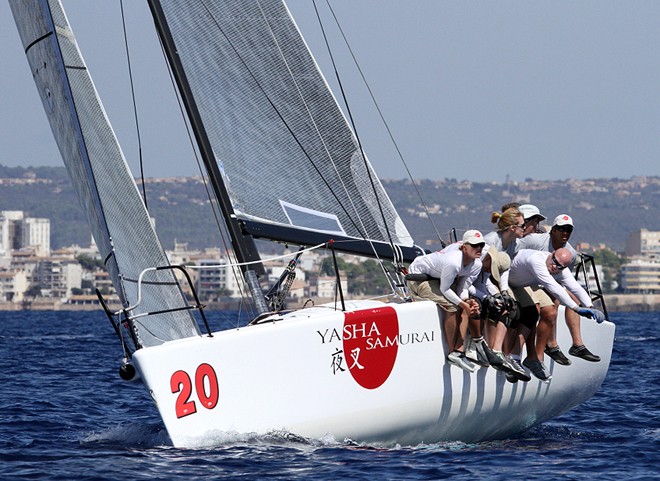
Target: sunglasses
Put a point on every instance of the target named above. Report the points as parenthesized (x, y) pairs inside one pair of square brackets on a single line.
[(557, 264), (564, 228), (519, 226), (477, 246)]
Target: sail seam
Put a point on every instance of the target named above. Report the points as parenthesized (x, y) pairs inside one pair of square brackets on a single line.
[(32, 44)]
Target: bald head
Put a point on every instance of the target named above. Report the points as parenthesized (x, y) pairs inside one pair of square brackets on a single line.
[(564, 256)]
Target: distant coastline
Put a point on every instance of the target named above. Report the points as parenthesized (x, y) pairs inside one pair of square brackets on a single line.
[(614, 303)]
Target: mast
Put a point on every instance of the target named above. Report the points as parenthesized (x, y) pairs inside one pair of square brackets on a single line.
[(242, 243)]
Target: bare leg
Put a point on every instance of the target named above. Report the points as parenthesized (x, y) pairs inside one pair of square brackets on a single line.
[(461, 332), (521, 336), (573, 323), (499, 333), (455, 329), (544, 329), (530, 343)]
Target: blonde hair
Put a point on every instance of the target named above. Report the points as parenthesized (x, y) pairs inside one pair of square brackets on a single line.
[(506, 219)]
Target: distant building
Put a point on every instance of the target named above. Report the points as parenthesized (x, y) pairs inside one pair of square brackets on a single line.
[(36, 232), (58, 276), (13, 285), (10, 228), (215, 279), (326, 287), (641, 277), (644, 243)]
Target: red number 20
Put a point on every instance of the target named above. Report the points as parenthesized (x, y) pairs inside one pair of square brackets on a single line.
[(206, 388)]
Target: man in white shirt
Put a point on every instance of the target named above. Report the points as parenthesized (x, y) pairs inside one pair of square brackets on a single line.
[(546, 270), (558, 237)]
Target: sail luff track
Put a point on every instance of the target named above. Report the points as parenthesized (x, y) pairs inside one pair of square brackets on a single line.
[(99, 173)]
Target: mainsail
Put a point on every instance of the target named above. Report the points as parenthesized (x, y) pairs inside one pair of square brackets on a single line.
[(105, 187), (288, 159)]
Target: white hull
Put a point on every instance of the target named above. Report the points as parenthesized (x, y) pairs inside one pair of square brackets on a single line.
[(287, 375)]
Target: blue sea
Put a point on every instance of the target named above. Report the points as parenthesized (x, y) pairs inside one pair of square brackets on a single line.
[(65, 414)]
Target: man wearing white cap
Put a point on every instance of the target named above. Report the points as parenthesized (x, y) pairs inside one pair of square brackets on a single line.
[(560, 233), (533, 218), (451, 272)]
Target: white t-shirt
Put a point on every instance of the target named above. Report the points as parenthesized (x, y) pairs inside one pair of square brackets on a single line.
[(483, 286), (542, 242), (494, 238), (447, 265), (529, 269)]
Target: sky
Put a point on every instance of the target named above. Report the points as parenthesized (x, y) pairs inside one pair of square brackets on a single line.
[(470, 90)]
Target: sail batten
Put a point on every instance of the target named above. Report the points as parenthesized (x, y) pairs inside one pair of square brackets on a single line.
[(277, 133), (98, 170)]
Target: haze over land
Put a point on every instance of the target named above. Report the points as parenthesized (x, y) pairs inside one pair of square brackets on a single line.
[(605, 211)]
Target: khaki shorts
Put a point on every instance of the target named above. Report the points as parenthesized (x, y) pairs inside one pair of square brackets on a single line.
[(431, 290), (531, 295)]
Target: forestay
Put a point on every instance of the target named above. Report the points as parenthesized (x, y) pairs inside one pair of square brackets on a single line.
[(287, 156), (120, 223)]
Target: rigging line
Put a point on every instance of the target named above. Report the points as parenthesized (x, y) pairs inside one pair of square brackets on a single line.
[(135, 113), (318, 132), (279, 114), (364, 158), (350, 116), (212, 200), (387, 127), (91, 184)]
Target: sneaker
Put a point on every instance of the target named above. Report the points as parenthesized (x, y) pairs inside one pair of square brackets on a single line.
[(517, 370), (510, 377), (583, 353), (472, 355), (498, 361), (538, 369), (557, 356), (482, 349), (493, 358), (458, 359)]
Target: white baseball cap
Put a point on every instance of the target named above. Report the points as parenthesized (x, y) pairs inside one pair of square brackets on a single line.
[(563, 219), (528, 211), (473, 237)]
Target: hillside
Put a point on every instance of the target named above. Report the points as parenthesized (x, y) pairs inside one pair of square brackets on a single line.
[(605, 211)]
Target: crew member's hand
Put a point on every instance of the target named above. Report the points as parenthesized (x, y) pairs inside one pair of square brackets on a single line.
[(592, 314)]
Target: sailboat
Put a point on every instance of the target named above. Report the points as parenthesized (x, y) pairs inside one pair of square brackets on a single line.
[(284, 165)]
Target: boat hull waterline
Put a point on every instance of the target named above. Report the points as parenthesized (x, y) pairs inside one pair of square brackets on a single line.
[(376, 373)]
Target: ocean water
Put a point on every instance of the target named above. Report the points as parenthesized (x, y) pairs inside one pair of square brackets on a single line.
[(65, 414)]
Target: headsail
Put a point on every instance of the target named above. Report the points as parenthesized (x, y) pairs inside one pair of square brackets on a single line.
[(290, 162), (105, 187)]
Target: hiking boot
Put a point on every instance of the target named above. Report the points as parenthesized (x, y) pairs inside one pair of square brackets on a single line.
[(583, 353), (538, 369), (458, 359), (557, 356), (517, 370)]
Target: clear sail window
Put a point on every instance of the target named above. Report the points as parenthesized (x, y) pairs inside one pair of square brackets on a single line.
[(312, 219)]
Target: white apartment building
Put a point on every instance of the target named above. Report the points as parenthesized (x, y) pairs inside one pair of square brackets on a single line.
[(58, 276), (13, 285), (641, 276), (215, 276), (644, 243), (36, 232)]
